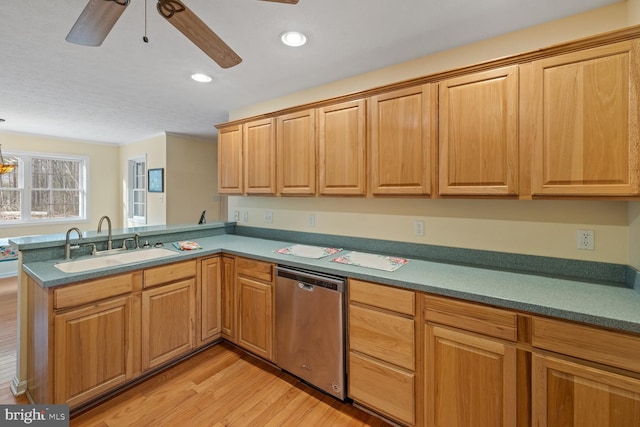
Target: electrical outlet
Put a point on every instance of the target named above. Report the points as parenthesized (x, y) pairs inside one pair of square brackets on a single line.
[(245, 216), (418, 228), (236, 216), (585, 240), (268, 217), (311, 220)]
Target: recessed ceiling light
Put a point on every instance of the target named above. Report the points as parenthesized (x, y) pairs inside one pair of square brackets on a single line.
[(202, 78), (293, 38)]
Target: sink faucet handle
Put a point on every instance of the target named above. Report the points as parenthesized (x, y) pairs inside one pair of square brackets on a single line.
[(94, 250)]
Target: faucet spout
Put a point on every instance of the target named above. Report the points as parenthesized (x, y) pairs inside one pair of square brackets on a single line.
[(109, 242), (67, 246)]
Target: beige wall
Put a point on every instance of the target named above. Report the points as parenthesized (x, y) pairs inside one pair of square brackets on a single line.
[(102, 193), (192, 181), (545, 228), (155, 149)]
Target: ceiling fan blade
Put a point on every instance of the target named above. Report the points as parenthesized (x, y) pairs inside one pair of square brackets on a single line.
[(284, 1), (95, 21), (185, 21)]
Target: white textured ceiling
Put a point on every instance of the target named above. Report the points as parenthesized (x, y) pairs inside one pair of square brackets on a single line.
[(127, 90)]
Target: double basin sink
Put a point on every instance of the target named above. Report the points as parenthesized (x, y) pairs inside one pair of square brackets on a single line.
[(104, 261)]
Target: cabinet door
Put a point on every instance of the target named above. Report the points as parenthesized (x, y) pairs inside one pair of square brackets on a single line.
[(168, 322), (210, 293), (478, 133), (95, 349), (255, 316), (260, 157), (341, 149), (228, 299), (296, 159), (402, 138), (569, 394), (585, 122), (470, 380), (230, 160)]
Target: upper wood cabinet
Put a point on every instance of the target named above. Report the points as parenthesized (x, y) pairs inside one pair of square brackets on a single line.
[(582, 121), (341, 149), (259, 144), (402, 141), (478, 133), (230, 160), (296, 153)]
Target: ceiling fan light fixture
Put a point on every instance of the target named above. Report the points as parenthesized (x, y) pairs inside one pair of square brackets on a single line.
[(293, 38), (201, 78)]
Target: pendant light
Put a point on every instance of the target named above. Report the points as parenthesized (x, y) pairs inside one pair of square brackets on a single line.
[(5, 167)]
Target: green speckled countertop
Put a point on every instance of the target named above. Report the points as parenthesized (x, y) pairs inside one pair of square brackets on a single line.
[(616, 307)]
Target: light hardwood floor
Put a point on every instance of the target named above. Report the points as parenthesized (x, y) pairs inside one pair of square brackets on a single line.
[(8, 319), (221, 386)]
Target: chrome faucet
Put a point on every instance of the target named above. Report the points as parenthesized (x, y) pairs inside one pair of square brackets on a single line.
[(67, 246), (109, 242), (135, 239)]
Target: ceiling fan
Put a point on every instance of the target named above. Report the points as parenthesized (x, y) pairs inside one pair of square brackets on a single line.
[(99, 16)]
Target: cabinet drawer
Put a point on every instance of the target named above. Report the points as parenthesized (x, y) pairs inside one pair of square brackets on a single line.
[(472, 317), (169, 273), (95, 290), (382, 387), (381, 335), (585, 342), (386, 297), (257, 269)]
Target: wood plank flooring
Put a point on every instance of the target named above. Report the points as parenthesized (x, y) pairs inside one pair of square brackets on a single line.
[(8, 320), (221, 386)]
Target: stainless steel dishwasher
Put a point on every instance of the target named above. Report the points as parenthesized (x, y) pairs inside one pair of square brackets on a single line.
[(310, 328)]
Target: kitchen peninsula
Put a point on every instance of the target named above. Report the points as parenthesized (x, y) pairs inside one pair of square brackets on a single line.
[(529, 331)]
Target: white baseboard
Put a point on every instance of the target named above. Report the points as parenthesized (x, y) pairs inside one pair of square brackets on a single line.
[(18, 387)]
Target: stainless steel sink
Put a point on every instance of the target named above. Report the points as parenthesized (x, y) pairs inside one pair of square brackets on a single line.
[(125, 257)]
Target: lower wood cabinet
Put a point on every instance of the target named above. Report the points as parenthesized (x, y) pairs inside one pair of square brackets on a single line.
[(210, 291), (572, 394), (382, 350), (88, 338), (584, 376), (84, 339), (255, 303), (168, 322), (470, 367), (95, 349), (470, 380), (228, 304), (168, 312)]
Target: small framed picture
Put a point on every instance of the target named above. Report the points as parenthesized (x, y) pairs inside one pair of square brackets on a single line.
[(156, 180)]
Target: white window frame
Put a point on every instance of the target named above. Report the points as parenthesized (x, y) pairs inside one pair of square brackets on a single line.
[(132, 162), (25, 187)]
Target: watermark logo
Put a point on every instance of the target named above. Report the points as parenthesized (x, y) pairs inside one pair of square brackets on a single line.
[(34, 415)]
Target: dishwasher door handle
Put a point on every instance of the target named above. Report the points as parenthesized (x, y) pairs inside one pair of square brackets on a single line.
[(305, 286)]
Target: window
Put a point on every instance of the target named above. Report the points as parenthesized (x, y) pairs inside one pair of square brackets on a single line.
[(44, 188), (137, 189)]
